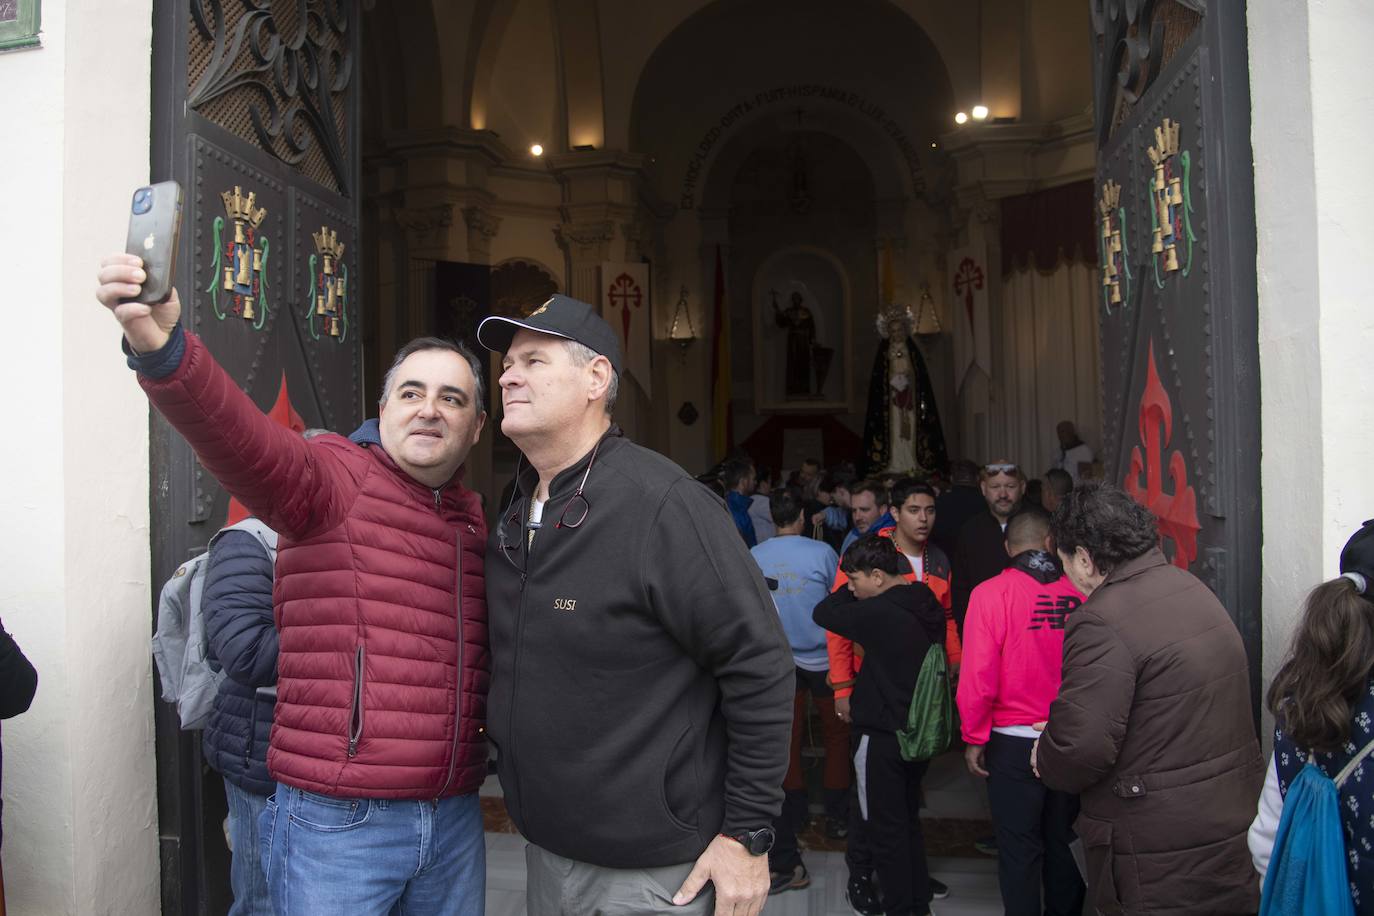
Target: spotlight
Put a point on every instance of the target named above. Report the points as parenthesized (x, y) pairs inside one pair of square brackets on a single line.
[(980, 112), (961, 118), (934, 145), (536, 150)]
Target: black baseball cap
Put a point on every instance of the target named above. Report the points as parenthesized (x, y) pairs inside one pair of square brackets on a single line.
[(1357, 559), (561, 316)]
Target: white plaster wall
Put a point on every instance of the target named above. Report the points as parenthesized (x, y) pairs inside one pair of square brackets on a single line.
[(79, 781), (1313, 200)]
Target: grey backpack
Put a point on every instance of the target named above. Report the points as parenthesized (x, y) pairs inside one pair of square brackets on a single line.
[(181, 646)]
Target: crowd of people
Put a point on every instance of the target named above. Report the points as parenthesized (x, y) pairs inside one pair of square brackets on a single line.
[(639, 652)]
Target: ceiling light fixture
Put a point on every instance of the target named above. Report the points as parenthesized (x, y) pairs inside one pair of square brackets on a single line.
[(536, 150), (961, 118), (980, 112)]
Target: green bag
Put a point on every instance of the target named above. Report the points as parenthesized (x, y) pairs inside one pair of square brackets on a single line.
[(932, 720)]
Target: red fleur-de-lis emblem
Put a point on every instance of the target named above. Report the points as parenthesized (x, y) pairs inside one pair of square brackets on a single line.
[(1176, 511)]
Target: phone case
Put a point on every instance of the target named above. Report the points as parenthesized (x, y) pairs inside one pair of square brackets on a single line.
[(155, 236)]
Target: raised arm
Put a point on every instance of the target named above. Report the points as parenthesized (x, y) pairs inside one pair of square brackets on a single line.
[(299, 490)]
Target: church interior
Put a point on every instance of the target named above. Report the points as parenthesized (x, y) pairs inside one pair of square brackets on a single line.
[(758, 193)]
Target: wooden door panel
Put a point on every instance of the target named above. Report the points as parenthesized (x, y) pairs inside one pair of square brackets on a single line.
[(260, 98), (1179, 351)]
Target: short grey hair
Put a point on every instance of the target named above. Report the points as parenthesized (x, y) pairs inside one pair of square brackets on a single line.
[(581, 355), (419, 345)]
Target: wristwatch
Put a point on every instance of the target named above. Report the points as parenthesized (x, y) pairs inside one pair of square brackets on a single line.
[(757, 842)]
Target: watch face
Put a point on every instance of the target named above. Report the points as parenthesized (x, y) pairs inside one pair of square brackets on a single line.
[(761, 841)]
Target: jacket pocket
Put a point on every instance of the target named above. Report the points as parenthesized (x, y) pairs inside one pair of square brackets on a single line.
[(679, 784), (1100, 857), (355, 717)]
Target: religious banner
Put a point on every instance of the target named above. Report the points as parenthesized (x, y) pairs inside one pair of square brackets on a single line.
[(969, 279), (625, 305)]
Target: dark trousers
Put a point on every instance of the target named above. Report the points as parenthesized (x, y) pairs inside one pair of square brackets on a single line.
[(857, 854), (786, 855), (891, 789), (1034, 830)]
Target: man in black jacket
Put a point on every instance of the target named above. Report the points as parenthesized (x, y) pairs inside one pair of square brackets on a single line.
[(981, 552), (896, 622), (641, 694)]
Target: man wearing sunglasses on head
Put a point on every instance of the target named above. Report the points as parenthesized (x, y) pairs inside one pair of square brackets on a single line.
[(980, 552), (641, 695)]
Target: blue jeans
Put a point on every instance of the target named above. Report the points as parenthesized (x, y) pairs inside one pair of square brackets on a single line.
[(251, 897), (373, 857)]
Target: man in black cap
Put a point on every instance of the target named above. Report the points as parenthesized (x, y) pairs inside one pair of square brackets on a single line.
[(641, 694)]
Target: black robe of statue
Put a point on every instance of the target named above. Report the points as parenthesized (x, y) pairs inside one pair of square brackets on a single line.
[(930, 436)]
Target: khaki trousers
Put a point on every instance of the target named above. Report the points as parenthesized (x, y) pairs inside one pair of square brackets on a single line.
[(556, 886)]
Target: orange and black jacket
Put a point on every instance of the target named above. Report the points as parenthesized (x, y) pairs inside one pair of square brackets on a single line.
[(846, 656)]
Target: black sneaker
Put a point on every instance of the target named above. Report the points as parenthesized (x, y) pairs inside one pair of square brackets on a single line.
[(836, 829), (862, 896), (793, 880), (939, 890)]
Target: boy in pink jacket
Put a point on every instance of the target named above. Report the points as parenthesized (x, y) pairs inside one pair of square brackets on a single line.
[(1013, 658)]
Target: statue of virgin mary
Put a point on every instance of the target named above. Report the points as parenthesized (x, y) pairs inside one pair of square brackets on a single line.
[(902, 432)]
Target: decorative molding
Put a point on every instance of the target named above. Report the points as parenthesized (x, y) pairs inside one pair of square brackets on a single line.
[(1135, 38), (584, 241), (287, 76), (481, 223), (425, 227)]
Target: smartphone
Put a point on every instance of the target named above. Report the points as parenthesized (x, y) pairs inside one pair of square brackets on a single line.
[(154, 236)]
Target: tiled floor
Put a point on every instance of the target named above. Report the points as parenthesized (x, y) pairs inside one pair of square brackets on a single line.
[(972, 884)]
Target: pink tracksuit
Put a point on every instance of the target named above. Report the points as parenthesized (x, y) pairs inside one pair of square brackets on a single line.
[(1013, 648)]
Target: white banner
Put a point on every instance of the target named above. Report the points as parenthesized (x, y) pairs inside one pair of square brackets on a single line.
[(625, 305), (968, 290)]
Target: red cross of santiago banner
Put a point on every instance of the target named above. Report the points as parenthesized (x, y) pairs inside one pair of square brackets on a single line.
[(625, 305), (968, 290)]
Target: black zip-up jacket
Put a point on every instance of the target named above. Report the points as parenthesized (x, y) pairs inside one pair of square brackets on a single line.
[(641, 692), (896, 629)]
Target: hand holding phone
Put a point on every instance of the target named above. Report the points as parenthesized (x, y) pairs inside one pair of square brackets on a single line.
[(136, 286), (155, 236)]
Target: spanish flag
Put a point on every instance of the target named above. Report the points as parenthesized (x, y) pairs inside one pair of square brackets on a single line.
[(722, 414)]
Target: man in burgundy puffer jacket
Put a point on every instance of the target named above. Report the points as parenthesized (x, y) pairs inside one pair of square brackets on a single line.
[(378, 747)]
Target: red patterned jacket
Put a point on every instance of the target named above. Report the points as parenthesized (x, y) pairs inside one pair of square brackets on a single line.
[(379, 596)]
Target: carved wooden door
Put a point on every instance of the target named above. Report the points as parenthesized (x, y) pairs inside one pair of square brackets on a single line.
[(1176, 215), (256, 113)]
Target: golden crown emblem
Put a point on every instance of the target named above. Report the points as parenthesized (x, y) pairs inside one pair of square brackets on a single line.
[(327, 241), (242, 208), (1166, 141), (1111, 198)]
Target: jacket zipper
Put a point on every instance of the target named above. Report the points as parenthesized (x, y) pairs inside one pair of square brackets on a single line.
[(458, 685), (525, 546), (355, 729)]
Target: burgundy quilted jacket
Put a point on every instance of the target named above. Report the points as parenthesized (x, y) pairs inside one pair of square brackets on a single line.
[(379, 596)]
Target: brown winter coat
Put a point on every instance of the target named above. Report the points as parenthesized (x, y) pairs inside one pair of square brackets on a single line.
[(1153, 726)]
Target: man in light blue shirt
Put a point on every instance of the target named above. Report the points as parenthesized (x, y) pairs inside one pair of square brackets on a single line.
[(805, 571)]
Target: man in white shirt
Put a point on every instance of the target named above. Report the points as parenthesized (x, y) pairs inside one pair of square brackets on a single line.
[(1075, 456)]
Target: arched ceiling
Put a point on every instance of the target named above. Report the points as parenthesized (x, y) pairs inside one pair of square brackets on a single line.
[(864, 62)]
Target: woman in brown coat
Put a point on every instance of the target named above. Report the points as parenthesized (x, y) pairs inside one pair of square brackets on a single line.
[(1153, 723)]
